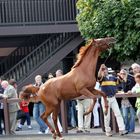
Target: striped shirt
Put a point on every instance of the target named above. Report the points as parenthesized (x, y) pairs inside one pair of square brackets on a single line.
[(109, 85)]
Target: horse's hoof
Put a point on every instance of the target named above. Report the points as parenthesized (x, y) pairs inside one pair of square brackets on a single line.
[(61, 138), (54, 136)]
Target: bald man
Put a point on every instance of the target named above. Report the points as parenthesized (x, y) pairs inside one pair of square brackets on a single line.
[(10, 92), (59, 73)]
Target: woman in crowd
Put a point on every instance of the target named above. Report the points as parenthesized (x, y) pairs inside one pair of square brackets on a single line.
[(127, 104), (136, 89)]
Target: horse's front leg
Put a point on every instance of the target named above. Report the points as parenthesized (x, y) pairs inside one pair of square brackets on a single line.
[(90, 109), (89, 94), (97, 92)]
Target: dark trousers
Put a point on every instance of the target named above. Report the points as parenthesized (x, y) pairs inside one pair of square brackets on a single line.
[(72, 114), (27, 117), (1, 119)]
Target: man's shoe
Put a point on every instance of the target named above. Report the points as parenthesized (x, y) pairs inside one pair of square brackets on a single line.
[(124, 132), (30, 127), (79, 131), (96, 126), (12, 133), (47, 131), (1, 132), (108, 134), (87, 131), (70, 127), (18, 129), (40, 132)]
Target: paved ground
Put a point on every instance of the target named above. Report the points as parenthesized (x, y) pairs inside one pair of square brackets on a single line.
[(95, 134), (73, 137)]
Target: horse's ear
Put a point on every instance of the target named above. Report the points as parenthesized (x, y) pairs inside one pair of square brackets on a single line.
[(24, 89), (93, 40)]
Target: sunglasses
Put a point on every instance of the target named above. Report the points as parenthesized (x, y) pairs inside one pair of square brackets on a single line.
[(123, 73), (103, 69)]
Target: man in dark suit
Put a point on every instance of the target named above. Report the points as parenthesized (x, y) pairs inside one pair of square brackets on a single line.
[(1, 109)]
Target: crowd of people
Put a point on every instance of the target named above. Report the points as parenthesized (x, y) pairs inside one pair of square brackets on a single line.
[(125, 110)]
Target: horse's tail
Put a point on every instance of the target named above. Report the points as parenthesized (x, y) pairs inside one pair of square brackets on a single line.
[(29, 93), (90, 109)]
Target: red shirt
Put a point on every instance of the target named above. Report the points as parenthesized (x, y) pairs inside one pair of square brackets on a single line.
[(24, 106)]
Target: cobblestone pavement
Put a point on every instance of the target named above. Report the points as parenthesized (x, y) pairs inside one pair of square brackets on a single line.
[(95, 134)]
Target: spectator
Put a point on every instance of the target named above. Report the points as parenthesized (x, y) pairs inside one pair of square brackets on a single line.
[(13, 83), (136, 68), (59, 73), (108, 86), (95, 109), (71, 113), (1, 110), (136, 89), (39, 108), (50, 75), (83, 122), (10, 92), (71, 107), (128, 110), (24, 107)]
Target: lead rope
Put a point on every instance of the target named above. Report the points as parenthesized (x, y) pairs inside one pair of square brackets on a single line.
[(110, 51)]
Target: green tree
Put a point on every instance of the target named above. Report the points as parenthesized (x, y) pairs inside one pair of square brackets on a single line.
[(118, 18)]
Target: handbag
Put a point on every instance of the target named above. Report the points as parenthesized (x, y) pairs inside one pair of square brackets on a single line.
[(20, 114)]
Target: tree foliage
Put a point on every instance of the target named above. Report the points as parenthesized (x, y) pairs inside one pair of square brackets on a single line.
[(118, 18)]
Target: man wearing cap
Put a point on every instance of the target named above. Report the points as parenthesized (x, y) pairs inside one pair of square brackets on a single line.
[(108, 86)]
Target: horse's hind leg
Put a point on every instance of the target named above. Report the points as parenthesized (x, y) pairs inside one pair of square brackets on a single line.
[(45, 116), (55, 118)]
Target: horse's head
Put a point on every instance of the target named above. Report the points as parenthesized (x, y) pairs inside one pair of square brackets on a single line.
[(104, 43), (27, 91), (30, 89)]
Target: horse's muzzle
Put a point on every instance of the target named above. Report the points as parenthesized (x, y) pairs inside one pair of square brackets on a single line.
[(112, 41)]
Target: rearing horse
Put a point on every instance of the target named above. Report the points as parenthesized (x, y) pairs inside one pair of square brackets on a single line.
[(79, 81)]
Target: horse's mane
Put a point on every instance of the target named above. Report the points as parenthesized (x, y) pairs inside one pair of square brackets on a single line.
[(83, 50)]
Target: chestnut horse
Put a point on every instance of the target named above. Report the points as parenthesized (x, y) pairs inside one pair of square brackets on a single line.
[(79, 81)]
